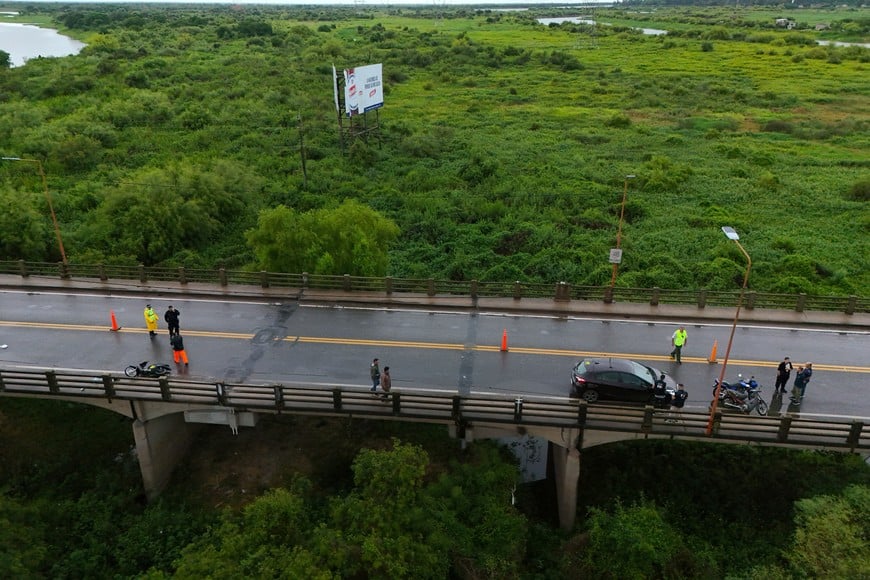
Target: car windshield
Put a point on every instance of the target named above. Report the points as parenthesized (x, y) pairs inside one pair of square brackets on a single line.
[(642, 371)]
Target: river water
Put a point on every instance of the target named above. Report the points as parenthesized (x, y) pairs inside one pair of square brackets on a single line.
[(658, 32), (25, 41)]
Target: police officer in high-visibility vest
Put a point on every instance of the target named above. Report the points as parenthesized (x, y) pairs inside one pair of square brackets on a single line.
[(679, 341)]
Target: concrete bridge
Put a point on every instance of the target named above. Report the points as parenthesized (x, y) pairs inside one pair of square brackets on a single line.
[(165, 413)]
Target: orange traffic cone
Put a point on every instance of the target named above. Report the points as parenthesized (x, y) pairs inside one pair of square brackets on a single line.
[(504, 347), (712, 358), (115, 326)]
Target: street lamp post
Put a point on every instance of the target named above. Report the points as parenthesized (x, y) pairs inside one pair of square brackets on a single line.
[(732, 235), (47, 198), (616, 257)]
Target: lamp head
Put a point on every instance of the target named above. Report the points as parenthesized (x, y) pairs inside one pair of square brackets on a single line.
[(731, 233)]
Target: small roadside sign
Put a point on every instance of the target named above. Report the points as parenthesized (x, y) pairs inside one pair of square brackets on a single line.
[(615, 256)]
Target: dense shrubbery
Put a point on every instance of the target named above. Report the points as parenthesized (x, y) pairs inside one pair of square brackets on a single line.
[(71, 507), (501, 152)]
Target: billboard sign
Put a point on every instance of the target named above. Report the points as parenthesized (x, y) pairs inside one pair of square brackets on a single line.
[(363, 89)]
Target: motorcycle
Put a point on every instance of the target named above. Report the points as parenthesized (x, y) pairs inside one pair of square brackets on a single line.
[(741, 386), (148, 369), (745, 396)]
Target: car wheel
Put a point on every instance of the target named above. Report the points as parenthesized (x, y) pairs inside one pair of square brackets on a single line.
[(590, 396)]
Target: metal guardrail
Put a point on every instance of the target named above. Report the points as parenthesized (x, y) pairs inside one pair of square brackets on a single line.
[(560, 291), (443, 407)]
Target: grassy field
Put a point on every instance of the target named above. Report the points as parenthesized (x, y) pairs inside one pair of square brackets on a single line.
[(503, 146)]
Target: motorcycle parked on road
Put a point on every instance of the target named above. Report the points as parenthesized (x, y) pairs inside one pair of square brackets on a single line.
[(148, 369), (742, 395)]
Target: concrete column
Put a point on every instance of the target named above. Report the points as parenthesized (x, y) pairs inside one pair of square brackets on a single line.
[(160, 443), (566, 464)]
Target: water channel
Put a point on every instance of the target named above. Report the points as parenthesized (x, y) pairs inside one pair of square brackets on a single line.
[(659, 32), (26, 41)]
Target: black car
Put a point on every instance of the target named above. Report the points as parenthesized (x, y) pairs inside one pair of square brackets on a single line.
[(617, 379)]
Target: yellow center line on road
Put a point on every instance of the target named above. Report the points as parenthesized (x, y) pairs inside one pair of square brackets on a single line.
[(577, 354)]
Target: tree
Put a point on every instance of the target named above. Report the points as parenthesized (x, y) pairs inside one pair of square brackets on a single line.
[(26, 233), (5, 59), (350, 239), (632, 542), (832, 539), (161, 212)]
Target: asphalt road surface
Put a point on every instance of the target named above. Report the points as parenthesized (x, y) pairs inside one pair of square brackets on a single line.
[(266, 342)]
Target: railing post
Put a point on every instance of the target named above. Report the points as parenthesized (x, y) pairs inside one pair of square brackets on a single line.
[(563, 292), (717, 420), (182, 275), (2, 383), (702, 298), (474, 289), (222, 276), (305, 279), (656, 294), (109, 386), (336, 399), (456, 413), (646, 426), (608, 295), (801, 302), (345, 283), (518, 290), (388, 285), (101, 270), (397, 404), (855, 434), (63, 269), (784, 427), (221, 391), (750, 299), (165, 393), (264, 279), (430, 287), (142, 275), (851, 304), (582, 411), (518, 409), (22, 268), (279, 397), (51, 378)]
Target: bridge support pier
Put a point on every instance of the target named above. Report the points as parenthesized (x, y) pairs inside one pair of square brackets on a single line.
[(566, 464), (161, 442)]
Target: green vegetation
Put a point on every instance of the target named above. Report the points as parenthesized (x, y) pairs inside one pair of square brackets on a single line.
[(307, 497), (501, 150)]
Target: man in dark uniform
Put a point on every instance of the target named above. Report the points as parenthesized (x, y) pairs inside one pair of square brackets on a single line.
[(171, 318), (783, 372)]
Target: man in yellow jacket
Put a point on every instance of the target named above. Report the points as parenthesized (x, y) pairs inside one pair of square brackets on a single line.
[(151, 319), (679, 341)]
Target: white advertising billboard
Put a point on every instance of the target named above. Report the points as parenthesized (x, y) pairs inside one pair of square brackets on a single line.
[(363, 89)]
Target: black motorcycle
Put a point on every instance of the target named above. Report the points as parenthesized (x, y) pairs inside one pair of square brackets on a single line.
[(147, 369)]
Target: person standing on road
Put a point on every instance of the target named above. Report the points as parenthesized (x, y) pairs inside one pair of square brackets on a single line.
[(178, 352), (375, 373), (678, 339), (151, 319), (171, 318), (386, 383), (783, 372), (800, 383), (677, 403)]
